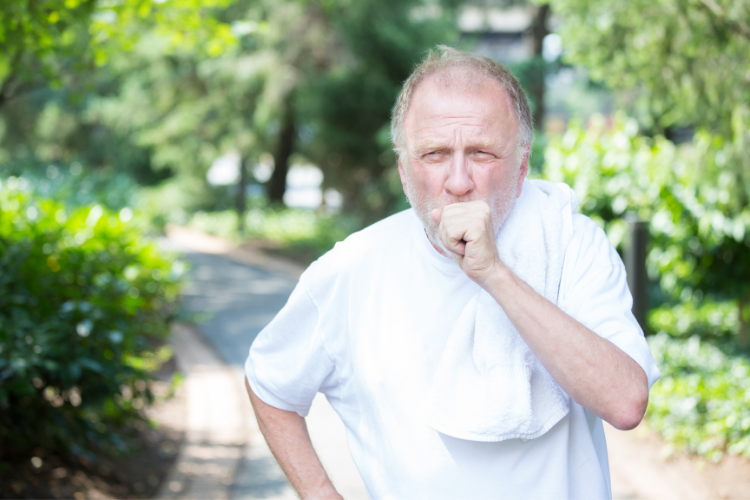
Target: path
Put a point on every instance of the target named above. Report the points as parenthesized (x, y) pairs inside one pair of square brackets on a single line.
[(245, 290), (234, 295)]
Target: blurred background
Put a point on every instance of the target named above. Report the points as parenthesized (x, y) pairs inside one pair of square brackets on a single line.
[(266, 123)]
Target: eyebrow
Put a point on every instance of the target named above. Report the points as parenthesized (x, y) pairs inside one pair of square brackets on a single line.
[(484, 144), (491, 144)]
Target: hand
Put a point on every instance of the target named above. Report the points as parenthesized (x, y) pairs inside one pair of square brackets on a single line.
[(467, 232)]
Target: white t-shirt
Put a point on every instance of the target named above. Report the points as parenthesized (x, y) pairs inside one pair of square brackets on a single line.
[(366, 326)]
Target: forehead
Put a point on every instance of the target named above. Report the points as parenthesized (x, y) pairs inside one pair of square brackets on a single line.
[(454, 101)]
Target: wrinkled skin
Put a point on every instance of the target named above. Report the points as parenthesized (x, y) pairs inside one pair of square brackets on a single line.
[(461, 168)]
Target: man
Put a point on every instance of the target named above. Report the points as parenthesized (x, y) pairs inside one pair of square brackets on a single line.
[(471, 345)]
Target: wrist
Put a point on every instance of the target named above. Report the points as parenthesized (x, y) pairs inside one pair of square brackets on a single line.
[(332, 495), (325, 492), (498, 281)]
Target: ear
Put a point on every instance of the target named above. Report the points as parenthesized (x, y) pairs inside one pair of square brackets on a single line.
[(402, 173), (524, 170)]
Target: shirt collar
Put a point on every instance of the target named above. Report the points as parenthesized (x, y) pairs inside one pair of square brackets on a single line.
[(444, 264)]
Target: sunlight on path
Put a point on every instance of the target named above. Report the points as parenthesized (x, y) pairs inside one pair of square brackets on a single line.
[(638, 473), (236, 298)]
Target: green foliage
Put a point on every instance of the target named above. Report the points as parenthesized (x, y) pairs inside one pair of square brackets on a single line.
[(709, 320), (303, 235), (689, 56), (39, 31), (700, 219), (348, 106), (701, 403), (74, 187), (303, 231), (84, 303), (698, 256), (612, 169), (159, 90), (40, 36), (687, 60), (703, 225)]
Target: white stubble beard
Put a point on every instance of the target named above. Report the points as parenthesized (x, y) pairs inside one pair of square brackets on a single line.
[(501, 204)]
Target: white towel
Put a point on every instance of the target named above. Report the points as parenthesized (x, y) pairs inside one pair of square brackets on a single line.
[(488, 385)]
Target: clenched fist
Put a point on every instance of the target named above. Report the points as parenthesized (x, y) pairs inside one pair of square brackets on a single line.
[(467, 231)]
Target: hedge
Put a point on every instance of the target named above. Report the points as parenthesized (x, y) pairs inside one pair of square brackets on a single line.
[(702, 402), (85, 304)]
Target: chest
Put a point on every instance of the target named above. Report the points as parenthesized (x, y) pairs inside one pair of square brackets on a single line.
[(397, 331)]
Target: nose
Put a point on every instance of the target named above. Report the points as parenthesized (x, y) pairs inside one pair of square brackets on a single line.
[(459, 179)]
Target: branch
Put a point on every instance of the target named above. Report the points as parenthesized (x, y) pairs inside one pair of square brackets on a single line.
[(738, 27)]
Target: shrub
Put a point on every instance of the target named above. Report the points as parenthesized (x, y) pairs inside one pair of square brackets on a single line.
[(707, 319), (702, 402), (85, 302), (696, 204), (301, 234), (698, 258), (300, 230)]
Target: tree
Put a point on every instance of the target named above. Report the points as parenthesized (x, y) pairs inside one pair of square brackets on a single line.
[(304, 45), (52, 38), (689, 57), (686, 60), (346, 110), (295, 77), (700, 236), (33, 36), (539, 30)]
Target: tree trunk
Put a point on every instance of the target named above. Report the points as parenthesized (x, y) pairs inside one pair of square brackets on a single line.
[(538, 32), (7, 91), (240, 202), (742, 334), (277, 183)]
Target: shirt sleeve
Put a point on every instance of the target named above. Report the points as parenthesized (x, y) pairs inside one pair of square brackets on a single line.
[(594, 291), (288, 363)]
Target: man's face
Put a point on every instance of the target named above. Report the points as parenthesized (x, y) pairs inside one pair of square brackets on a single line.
[(461, 145)]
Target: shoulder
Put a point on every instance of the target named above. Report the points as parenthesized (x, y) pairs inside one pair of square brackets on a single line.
[(359, 250), (588, 244), (368, 242), (557, 193), (589, 247), (591, 267)]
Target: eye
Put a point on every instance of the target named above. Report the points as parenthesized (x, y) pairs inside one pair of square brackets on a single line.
[(433, 155), (483, 155)]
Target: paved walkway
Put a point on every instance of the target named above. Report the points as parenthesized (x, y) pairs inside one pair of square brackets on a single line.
[(233, 295), (226, 456)]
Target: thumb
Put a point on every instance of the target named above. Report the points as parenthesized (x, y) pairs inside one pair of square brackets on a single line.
[(436, 215)]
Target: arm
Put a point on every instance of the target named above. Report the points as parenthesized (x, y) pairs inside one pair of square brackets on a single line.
[(590, 369), (287, 437)]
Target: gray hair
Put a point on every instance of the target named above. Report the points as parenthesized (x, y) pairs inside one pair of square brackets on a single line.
[(447, 58)]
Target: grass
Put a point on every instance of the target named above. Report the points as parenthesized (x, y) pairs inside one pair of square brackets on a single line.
[(301, 235)]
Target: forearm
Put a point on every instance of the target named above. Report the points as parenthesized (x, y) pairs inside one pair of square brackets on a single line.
[(590, 369), (287, 437)]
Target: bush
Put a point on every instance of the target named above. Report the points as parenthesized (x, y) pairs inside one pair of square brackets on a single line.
[(698, 260), (300, 230), (707, 319), (85, 303), (702, 402), (696, 204), (76, 186), (301, 234)]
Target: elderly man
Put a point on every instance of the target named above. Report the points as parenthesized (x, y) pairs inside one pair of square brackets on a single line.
[(472, 345)]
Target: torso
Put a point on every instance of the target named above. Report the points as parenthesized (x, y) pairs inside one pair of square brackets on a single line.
[(387, 334)]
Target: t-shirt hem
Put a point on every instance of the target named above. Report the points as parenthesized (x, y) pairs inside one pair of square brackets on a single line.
[(269, 398), (638, 350)]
